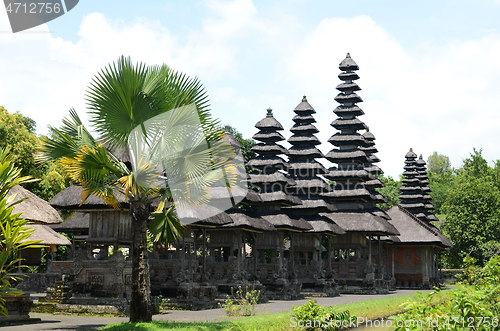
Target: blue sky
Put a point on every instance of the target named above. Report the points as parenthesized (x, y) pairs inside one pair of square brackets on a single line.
[(429, 70)]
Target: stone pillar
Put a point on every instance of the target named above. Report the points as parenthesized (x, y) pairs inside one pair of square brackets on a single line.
[(292, 253), (329, 265)]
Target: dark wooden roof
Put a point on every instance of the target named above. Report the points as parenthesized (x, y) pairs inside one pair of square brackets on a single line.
[(309, 139), (279, 197), (414, 231), (312, 167), (268, 161), (268, 136), (348, 64), (361, 174), (348, 76), (411, 154), (269, 149), (346, 98), (34, 208)]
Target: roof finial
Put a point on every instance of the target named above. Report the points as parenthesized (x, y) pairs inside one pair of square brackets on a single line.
[(411, 149), (348, 55), (420, 157), (269, 112), (228, 128), (304, 99)]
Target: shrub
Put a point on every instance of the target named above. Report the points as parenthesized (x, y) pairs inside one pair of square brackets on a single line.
[(316, 317), (243, 302)]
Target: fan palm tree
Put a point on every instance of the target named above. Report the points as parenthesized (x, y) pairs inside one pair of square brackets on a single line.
[(124, 102)]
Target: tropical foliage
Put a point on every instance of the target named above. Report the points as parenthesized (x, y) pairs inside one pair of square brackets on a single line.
[(124, 101), (14, 235), (473, 306)]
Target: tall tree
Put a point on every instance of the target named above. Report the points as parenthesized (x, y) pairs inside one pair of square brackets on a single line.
[(438, 163), (122, 98)]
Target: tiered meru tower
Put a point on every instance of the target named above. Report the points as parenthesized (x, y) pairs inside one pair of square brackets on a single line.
[(354, 194), (415, 190)]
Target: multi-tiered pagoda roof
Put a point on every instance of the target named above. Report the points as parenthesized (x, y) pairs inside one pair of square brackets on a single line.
[(424, 185), (354, 193), (270, 179), (304, 169), (411, 192)]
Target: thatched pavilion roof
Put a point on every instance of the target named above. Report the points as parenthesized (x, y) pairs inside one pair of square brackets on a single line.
[(78, 222), (415, 231), (362, 222), (34, 209), (47, 235), (71, 198)]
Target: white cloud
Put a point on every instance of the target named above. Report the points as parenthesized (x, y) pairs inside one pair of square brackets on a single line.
[(434, 97), (440, 99)]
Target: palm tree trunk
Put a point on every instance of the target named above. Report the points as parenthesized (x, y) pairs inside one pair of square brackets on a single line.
[(140, 302)]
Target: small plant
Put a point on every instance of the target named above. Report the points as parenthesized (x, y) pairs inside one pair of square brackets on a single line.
[(160, 304), (243, 302), (312, 316)]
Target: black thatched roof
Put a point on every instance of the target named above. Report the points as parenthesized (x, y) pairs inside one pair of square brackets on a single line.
[(279, 197), (309, 139), (47, 235), (414, 231), (268, 149), (304, 128), (312, 167), (304, 106), (312, 183), (34, 208), (343, 110), (348, 76), (305, 151), (269, 122), (304, 119), (362, 222), (338, 156), (341, 193), (354, 123), (267, 161), (268, 136), (311, 204), (373, 169), (344, 87), (71, 198), (360, 174), (368, 136), (78, 222), (248, 221), (411, 154), (197, 215), (324, 225), (228, 137), (283, 221), (348, 64), (270, 179), (339, 139), (348, 98)]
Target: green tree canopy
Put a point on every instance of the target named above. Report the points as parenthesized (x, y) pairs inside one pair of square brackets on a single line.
[(438, 163), (390, 191)]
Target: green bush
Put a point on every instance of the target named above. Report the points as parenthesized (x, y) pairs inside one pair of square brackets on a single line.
[(311, 316), (243, 302), (474, 306)]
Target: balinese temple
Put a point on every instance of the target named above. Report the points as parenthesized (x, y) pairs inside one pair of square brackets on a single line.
[(424, 186), (412, 197), (357, 266), (415, 252), (312, 251), (269, 179), (295, 227)]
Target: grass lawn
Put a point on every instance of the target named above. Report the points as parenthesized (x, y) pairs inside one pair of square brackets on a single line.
[(371, 309)]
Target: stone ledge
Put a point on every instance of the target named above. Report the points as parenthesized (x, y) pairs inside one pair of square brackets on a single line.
[(51, 308)]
